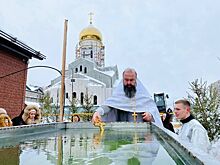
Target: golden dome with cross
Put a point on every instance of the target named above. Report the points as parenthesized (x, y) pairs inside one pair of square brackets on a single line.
[(90, 32)]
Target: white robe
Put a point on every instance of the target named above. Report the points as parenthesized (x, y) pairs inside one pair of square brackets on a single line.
[(142, 102), (215, 150), (194, 133)]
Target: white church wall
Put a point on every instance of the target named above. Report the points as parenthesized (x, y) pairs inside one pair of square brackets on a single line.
[(99, 91), (54, 94), (80, 86)]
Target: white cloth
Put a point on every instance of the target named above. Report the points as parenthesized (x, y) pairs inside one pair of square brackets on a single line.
[(215, 150), (194, 133), (142, 102)]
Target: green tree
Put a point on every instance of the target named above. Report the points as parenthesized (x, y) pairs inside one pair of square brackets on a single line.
[(46, 102), (73, 105), (205, 103), (87, 106)]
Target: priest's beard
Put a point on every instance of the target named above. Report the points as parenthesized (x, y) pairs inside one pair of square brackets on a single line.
[(130, 90)]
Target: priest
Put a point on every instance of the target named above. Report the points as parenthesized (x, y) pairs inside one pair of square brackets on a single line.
[(129, 102)]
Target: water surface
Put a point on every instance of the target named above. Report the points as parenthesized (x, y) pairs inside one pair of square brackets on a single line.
[(88, 146)]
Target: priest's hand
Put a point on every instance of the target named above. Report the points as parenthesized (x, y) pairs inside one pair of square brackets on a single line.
[(96, 116), (147, 117)]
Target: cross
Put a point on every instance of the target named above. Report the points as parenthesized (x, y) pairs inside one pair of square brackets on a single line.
[(133, 100), (90, 17), (100, 124), (135, 116)]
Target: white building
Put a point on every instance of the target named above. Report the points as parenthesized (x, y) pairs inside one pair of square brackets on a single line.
[(87, 74), (33, 95), (217, 86)]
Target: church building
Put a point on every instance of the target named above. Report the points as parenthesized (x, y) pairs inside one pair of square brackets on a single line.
[(87, 75)]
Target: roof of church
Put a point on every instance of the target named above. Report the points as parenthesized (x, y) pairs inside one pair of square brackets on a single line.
[(92, 79), (107, 72)]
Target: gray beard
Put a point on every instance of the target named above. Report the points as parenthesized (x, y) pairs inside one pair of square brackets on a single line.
[(130, 91)]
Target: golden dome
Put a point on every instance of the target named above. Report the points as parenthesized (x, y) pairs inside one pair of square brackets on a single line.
[(90, 32)]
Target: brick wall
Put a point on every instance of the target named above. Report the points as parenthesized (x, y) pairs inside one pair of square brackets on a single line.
[(12, 88)]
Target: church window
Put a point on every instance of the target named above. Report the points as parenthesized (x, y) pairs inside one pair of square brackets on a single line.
[(74, 95), (81, 97), (85, 70), (76, 70), (95, 100), (80, 68), (91, 54), (66, 95)]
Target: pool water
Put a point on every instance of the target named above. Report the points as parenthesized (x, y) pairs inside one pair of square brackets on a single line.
[(89, 146)]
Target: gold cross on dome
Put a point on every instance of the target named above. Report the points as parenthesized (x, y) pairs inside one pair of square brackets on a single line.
[(90, 17)]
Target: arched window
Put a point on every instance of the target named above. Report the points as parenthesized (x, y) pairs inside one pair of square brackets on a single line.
[(85, 70), (80, 68), (76, 70), (91, 54), (95, 100), (66, 95), (81, 97), (74, 95)]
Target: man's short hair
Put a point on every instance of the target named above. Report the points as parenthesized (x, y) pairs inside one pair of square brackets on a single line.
[(183, 101), (130, 70)]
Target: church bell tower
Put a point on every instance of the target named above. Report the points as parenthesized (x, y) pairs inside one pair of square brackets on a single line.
[(90, 44)]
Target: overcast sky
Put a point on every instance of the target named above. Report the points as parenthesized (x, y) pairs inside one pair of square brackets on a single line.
[(169, 42)]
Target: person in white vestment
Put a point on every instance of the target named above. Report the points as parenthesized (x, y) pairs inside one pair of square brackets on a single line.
[(192, 131), (128, 99), (215, 149)]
